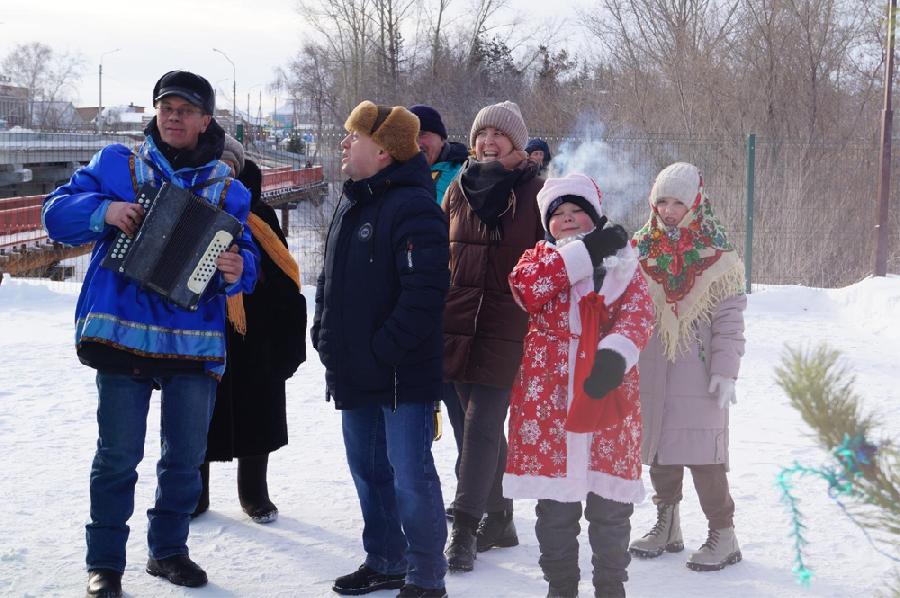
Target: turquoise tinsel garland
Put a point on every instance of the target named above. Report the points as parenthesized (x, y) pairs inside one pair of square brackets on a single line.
[(851, 453)]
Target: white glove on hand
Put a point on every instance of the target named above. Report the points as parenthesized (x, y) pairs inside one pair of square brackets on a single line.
[(724, 388)]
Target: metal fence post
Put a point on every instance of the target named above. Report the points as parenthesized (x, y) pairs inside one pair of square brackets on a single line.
[(751, 180)]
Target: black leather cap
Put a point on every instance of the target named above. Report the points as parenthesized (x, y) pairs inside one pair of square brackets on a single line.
[(193, 88)]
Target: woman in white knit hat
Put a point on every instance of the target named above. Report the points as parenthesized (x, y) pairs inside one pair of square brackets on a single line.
[(689, 367), (494, 218)]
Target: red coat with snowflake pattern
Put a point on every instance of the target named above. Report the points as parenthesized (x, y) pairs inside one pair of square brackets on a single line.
[(545, 460)]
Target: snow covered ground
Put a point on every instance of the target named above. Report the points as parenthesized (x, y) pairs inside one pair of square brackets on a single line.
[(48, 431)]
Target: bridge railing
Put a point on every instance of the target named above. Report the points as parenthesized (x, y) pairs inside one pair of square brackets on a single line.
[(25, 248), (19, 215), (279, 179)]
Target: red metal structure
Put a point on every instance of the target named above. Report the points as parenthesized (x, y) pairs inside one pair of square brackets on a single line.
[(25, 248)]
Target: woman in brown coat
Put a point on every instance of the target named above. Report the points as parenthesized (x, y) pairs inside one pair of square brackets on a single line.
[(494, 218), (688, 368)]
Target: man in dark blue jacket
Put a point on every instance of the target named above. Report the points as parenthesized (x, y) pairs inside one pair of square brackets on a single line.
[(377, 329)]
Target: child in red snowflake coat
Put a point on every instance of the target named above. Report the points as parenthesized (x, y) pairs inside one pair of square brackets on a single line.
[(575, 427)]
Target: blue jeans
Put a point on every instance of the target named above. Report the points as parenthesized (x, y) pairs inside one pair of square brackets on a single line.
[(187, 405), (389, 454)]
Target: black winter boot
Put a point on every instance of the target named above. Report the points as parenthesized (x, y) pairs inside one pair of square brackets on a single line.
[(104, 583), (178, 569), (563, 590), (461, 553), (497, 530), (365, 580), (253, 490), (609, 589), (411, 590), (203, 503)]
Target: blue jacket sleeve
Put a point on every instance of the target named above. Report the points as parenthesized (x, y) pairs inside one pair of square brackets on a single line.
[(238, 205), (422, 256), (74, 213)]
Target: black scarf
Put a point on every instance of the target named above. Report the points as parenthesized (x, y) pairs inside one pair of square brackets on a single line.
[(488, 186), (209, 146)]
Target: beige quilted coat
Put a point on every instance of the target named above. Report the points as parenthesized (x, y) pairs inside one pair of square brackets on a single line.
[(683, 424)]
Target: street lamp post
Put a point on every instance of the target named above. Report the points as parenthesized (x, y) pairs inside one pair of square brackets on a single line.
[(249, 118), (100, 91), (233, 92)]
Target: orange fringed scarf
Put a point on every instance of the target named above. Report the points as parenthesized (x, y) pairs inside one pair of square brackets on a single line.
[(271, 244)]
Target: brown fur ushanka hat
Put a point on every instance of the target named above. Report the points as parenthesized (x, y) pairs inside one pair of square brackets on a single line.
[(395, 129)]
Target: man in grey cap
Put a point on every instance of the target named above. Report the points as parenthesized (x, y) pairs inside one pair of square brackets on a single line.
[(138, 341)]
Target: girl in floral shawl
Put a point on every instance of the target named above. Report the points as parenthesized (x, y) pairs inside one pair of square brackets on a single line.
[(690, 364)]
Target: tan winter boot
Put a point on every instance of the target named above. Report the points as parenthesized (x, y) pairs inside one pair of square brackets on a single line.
[(665, 536), (720, 549)]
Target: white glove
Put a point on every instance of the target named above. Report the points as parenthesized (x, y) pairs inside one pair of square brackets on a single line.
[(724, 389)]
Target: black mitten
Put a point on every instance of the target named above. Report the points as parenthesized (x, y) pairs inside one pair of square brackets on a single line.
[(604, 242), (607, 373)]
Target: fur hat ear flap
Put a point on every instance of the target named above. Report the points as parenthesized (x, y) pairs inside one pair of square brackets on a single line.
[(395, 129)]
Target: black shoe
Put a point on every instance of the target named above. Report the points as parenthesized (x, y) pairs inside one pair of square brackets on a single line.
[(461, 550), (411, 590), (450, 512), (178, 569), (565, 590), (365, 580), (497, 530), (104, 583), (609, 589)]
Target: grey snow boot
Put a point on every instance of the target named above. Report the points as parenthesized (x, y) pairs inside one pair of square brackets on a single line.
[(720, 549), (664, 536)]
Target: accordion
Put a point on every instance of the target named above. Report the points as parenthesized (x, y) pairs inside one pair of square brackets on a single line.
[(174, 251)]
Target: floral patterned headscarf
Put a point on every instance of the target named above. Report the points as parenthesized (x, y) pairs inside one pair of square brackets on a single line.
[(690, 268)]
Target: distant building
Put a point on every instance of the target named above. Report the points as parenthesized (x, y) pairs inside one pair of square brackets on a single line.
[(126, 117), (117, 118), (14, 105), (55, 115), (88, 114)]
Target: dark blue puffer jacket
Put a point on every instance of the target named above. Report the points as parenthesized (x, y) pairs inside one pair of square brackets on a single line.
[(380, 296)]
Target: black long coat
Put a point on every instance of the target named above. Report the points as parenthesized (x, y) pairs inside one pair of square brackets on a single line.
[(249, 418)]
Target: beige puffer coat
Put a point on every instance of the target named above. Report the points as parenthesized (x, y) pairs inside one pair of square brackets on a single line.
[(683, 424)]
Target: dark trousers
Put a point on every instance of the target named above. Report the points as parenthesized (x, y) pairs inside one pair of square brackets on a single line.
[(609, 532), (457, 418), (483, 458), (711, 483)]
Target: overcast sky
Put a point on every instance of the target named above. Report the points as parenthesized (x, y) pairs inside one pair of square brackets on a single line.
[(156, 36)]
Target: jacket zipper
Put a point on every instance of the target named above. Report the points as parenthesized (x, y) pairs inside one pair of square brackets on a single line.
[(395, 390)]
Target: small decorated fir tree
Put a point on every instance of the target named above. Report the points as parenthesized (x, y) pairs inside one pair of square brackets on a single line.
[(864, 479)]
